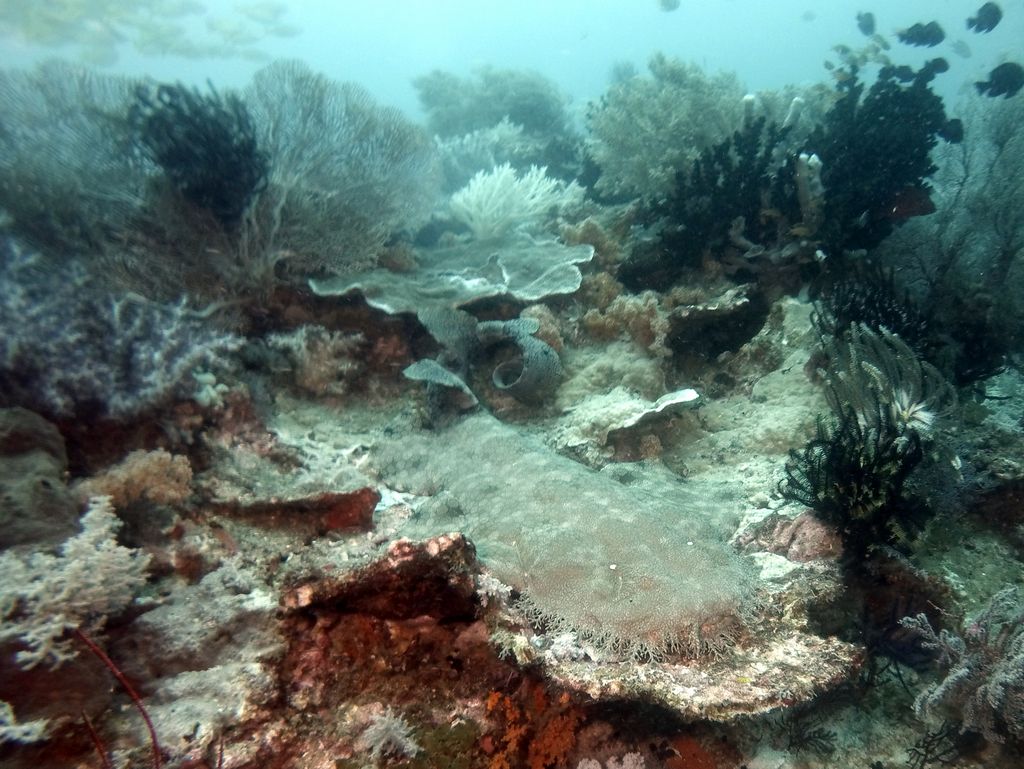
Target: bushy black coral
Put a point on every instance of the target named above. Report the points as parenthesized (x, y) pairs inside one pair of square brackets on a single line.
[(205, 144), (867, 295), (729, 181), (875, 151)]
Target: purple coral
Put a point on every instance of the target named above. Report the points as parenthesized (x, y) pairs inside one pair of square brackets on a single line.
[(984, 681), (71, 348)]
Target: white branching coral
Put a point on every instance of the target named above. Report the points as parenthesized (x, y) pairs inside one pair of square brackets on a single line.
[(11, 730), (388, 734), (496, 202), (43, 596)]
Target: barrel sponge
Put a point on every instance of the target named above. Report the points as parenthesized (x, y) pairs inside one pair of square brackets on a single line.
[(634, 571)]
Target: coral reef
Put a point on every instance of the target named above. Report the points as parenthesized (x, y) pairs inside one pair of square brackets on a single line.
[(593, 585), (44, 596), (521, 268), (206, 146), (885, 403), (645, 129), (983, 686), (851, 474), (75, 349), (344, 172), (68, 183), (610, 531), (498, 201), (457, 106), (875, 152)]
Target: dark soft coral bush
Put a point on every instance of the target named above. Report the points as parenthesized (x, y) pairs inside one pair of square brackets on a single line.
[(205, 144), (851, 475), (875, 150)]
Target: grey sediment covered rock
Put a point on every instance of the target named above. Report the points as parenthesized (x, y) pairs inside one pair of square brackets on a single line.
[(35, 505), (631, 571)]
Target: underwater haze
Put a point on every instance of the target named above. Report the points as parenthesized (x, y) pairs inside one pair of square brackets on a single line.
[(383, 45), (622, 384)]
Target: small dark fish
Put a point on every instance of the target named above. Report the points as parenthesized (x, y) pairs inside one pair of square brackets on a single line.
[(953, 131), (986, 19), (960, 48), (908, 203), (929, 34), (938, 65), (668, 5), (1005, 80), (866, 23)]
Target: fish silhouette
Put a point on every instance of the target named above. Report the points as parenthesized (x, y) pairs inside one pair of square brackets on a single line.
[(1005, 80), (866, 23), (929, 34), (986, 19)]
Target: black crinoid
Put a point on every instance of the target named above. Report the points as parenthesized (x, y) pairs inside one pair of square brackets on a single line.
[(886, 402), (864, 293), (205, 144), (851, 475)]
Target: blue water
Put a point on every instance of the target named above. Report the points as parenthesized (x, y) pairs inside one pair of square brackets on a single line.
[(383, 45)]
